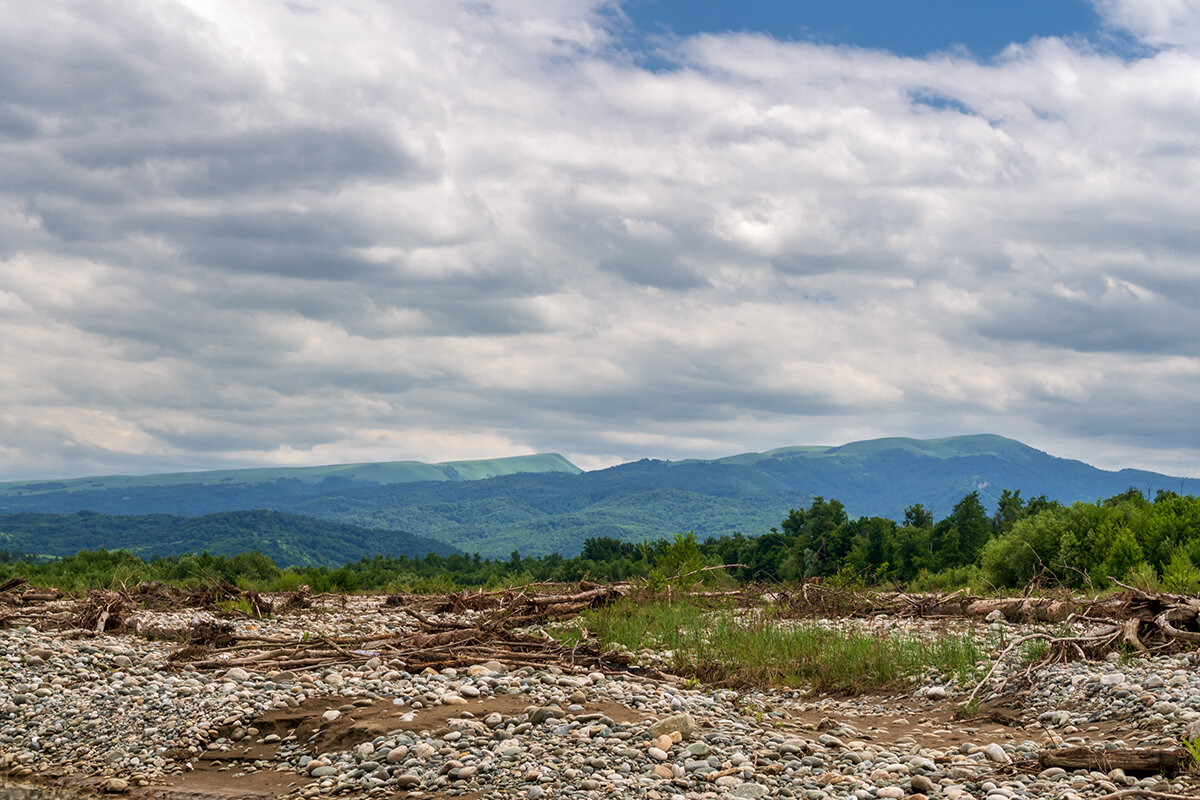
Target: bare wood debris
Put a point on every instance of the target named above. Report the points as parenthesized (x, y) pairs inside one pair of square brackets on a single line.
[(500, 621), (1150, 761), (1142, 620)]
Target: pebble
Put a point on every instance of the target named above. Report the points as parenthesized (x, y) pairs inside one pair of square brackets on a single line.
[(110, 708), (920, 783)]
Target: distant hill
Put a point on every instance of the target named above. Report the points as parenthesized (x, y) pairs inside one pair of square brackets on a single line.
[(555, 507), (287, 538), (192, 493)]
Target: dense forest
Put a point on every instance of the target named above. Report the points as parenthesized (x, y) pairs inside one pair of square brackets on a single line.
[(1036, 543)]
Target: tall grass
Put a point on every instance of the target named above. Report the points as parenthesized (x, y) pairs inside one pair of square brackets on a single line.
[(726, 648)]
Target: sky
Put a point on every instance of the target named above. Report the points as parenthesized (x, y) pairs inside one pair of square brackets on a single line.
[(251, 232)]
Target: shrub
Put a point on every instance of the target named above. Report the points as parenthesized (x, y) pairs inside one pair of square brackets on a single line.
[(1180, 575), (1144, 577)]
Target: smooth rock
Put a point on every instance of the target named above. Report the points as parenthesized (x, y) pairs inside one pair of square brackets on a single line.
[(996, 753), (682, 724)]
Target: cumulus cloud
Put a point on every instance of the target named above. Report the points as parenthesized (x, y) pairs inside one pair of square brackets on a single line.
[(1156, 22), (239, 233)]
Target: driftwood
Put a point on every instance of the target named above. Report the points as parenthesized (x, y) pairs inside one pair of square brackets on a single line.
[(9, 594), (493, 632), (100, 611), (1024, 609), (1141, 620), (1148, 762), (1150, 793)]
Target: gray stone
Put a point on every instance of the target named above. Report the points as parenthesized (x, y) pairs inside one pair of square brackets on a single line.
[(408, 781), (237, 674), (681, 723), (544, 713), (922, 784), (996, 753)]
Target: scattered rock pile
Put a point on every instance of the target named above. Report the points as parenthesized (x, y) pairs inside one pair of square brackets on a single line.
[(115, 714)]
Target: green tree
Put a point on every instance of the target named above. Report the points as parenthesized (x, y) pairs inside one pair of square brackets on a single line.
[(1009, 510), (819, 537), (918, 516), (1029, 549), (1123, 555)]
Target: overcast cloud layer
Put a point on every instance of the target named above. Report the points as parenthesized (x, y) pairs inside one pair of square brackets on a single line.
[(242, 233)]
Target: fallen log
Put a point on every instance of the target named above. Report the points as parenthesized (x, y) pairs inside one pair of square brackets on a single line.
[(1148, 762), (39, 597), (1149, 793), (456, 636), (1164, 620), (1022, 609), (1129, 634), (12, 583), (605, 592)]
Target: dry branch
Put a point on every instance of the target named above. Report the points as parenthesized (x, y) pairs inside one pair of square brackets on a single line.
[(12, 583), (1149, 761), (1153, 795)]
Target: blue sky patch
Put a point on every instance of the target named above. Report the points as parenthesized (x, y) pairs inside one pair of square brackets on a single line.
[(983, 27)]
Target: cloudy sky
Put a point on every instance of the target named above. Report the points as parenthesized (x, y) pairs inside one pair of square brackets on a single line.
[(244, 232)]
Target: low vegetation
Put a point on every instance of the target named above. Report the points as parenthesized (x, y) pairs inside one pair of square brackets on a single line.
[(734, 647)]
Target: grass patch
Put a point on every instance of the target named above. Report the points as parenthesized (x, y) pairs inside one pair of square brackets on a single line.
[(234, 605), (719, 646), (1193, 750), (967, 710), (1034, 651)]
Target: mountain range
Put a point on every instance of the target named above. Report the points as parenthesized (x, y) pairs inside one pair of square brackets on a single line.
[(543, 504)]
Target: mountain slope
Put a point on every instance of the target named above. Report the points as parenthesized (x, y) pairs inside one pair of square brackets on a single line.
[(749, 492), (552, 507), (193, 493), (288, 539)]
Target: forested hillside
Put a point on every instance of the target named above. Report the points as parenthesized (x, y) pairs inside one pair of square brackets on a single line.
[(1021, 544), (543, 504), (195, 493), (286, 538)]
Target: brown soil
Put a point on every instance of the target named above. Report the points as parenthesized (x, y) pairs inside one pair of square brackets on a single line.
[(934, 726)]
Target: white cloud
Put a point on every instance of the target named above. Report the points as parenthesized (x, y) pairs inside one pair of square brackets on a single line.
[(1156, 22), (273, 233)]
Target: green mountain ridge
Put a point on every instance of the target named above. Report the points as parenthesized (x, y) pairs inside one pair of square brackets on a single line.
[(543, 504), (383, 472)]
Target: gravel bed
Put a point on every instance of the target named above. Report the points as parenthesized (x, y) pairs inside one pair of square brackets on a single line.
[(112, 714)]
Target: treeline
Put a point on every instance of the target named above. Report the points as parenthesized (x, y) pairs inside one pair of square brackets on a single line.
[(1035, 542), (604, 559), (1023, 542)]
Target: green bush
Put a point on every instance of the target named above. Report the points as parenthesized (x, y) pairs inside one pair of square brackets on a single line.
[(1180, 575), (1144, 577), (948, 580), (1029, 549)]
